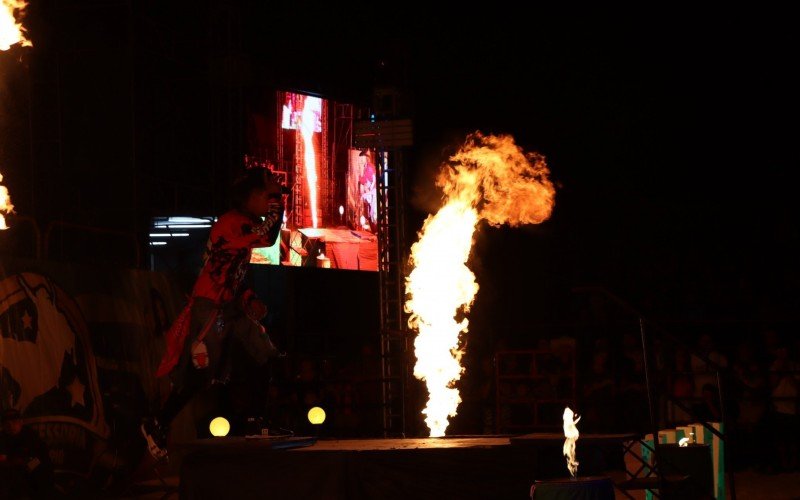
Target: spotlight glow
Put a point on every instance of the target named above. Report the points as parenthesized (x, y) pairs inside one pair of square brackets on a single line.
[(219, 427), (316, 415)]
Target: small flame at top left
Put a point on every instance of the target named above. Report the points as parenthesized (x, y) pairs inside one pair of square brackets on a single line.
[(11, 33), (5, 204), (11, 30)]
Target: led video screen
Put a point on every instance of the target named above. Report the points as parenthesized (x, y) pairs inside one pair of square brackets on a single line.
[(331, 211), (299, 107)]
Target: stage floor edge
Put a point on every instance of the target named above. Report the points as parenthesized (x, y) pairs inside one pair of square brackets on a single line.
[(401, 468)]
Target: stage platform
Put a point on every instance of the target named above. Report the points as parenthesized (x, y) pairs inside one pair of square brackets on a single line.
[(345, 248), (414, 468)]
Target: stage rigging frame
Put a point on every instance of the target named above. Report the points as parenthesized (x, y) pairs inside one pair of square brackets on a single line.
[(389, 138)]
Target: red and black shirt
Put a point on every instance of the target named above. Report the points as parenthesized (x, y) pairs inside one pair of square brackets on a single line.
[(227, 254)]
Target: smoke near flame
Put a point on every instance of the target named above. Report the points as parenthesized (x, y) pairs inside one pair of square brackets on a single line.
[(307, 123), (571, 436), (490, 178), (11, 32)]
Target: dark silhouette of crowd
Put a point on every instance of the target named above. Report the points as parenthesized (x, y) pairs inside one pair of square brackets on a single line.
[(506, 386)]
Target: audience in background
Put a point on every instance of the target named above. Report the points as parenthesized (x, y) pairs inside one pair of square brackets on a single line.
[(762, 387), (783, 382), (708, 408), (752, 388), (749, 387), (631, 389), (682, 385), (598, 395), (705, 363)]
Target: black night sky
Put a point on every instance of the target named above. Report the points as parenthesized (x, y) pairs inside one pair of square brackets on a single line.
[(671, 141), (671, 137), (671, 144)]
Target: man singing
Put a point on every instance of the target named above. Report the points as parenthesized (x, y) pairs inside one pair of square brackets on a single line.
[(220, 310)]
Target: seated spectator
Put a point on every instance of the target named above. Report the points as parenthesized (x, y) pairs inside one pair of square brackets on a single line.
[(708, 409), (705, 372), (752, 400)]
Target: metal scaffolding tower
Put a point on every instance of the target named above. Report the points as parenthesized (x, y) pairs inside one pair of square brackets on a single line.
[(391, 269), (389, 138)]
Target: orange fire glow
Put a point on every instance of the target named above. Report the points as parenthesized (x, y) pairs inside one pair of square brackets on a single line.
[(307, 123), (490, 178)]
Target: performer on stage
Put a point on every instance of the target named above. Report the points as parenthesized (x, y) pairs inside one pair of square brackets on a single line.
[(367, 188), (220, 310)]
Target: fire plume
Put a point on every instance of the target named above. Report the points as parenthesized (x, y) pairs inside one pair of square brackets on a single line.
[(11, 30), (490, 178), (571, 435)]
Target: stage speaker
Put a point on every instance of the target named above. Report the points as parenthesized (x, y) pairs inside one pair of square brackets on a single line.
[(693, 461)]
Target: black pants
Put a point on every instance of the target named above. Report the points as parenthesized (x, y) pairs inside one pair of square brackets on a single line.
[(235, 327)]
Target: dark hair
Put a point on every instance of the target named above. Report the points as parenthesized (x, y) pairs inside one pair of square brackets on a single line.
[(248, 181)]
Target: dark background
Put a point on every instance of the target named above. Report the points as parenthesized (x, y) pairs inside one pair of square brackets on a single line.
[(670, 136)]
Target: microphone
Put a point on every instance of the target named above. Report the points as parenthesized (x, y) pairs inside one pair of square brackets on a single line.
[(284, 190)]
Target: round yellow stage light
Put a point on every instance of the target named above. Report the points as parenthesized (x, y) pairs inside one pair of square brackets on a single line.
[(316, 415), (219, 427)]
